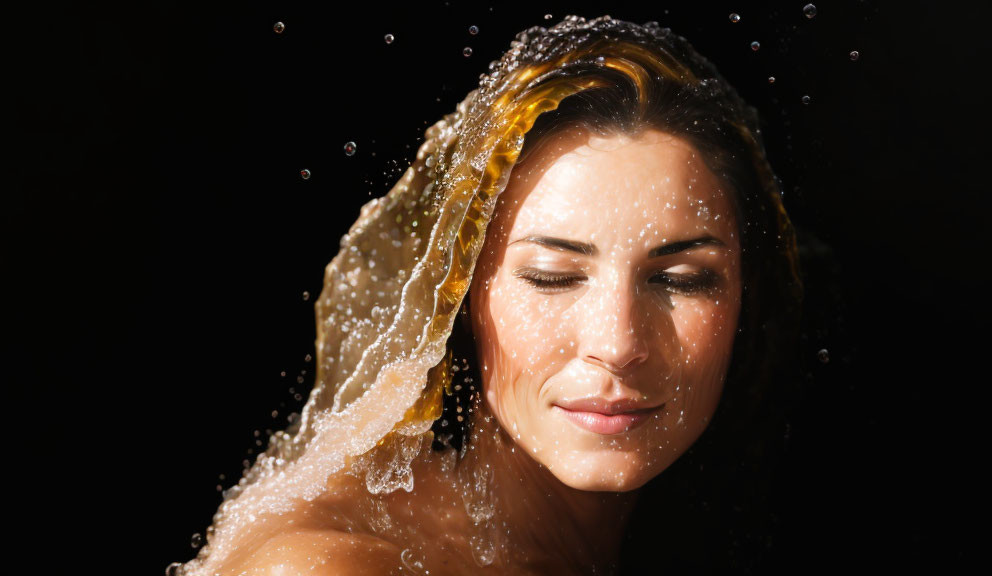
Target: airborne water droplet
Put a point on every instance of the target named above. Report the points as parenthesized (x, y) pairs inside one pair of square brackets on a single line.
[(196, 540), (305, 174), (547, 16), (771, 79), (278, 27), (467, 51), (823, 356), (306, 295), (473, 30), (755, 45), (809, 10), (349, 148), (174, 569), (735, 17), (390, 38), (854, 55), (806, 99)]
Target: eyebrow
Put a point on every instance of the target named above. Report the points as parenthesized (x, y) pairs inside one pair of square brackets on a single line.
[(590, 249)]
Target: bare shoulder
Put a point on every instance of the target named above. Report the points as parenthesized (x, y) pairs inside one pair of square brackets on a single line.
[(321, 553)]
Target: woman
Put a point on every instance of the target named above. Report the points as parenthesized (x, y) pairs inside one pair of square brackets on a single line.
[(600, 214)]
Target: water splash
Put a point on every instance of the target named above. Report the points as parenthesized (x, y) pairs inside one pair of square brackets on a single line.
[(381, 330)]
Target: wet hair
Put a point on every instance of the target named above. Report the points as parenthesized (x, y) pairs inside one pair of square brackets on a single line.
[(715, 497)]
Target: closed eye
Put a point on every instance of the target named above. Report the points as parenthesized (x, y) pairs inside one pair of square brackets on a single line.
[(688, 283), (547, 280), (682, 283)]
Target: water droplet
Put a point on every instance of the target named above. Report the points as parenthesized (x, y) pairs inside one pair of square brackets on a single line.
[(823, 356), (390, 38), (349, 148), (771, 79), (410, 561), (809, 10), (307, 358), (473, 30), (755, 45), (854, 55), (467, 51), (279, 27), (547, 16), (735, 17), (483, 550), (305, 174), (306, 295), (174, 569), (806, 99), (196, 540)]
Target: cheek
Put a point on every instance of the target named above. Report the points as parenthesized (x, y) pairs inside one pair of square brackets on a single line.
[(704, 326), (522, 345), (706, 331)]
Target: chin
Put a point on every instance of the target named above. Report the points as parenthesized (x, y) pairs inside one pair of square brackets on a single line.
[(615, 472)]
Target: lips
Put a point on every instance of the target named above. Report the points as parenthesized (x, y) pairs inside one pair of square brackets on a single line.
[(605, 423)]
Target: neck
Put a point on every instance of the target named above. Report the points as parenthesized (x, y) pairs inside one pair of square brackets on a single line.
[(549, 526)]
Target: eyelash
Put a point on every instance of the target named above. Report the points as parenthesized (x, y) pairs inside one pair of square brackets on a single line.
[(682, 283)]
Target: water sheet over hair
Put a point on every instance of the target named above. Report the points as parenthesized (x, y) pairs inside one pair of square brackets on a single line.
[(392, 292)]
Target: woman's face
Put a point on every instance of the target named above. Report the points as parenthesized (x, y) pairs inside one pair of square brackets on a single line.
[(605, 304)]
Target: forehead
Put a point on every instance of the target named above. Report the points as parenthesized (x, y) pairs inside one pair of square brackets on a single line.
[(582, 185)]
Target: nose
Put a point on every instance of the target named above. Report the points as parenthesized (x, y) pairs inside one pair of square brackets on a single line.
[(612, 336)]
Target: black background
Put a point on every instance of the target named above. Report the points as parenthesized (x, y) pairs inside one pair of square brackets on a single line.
[(157, 241)]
